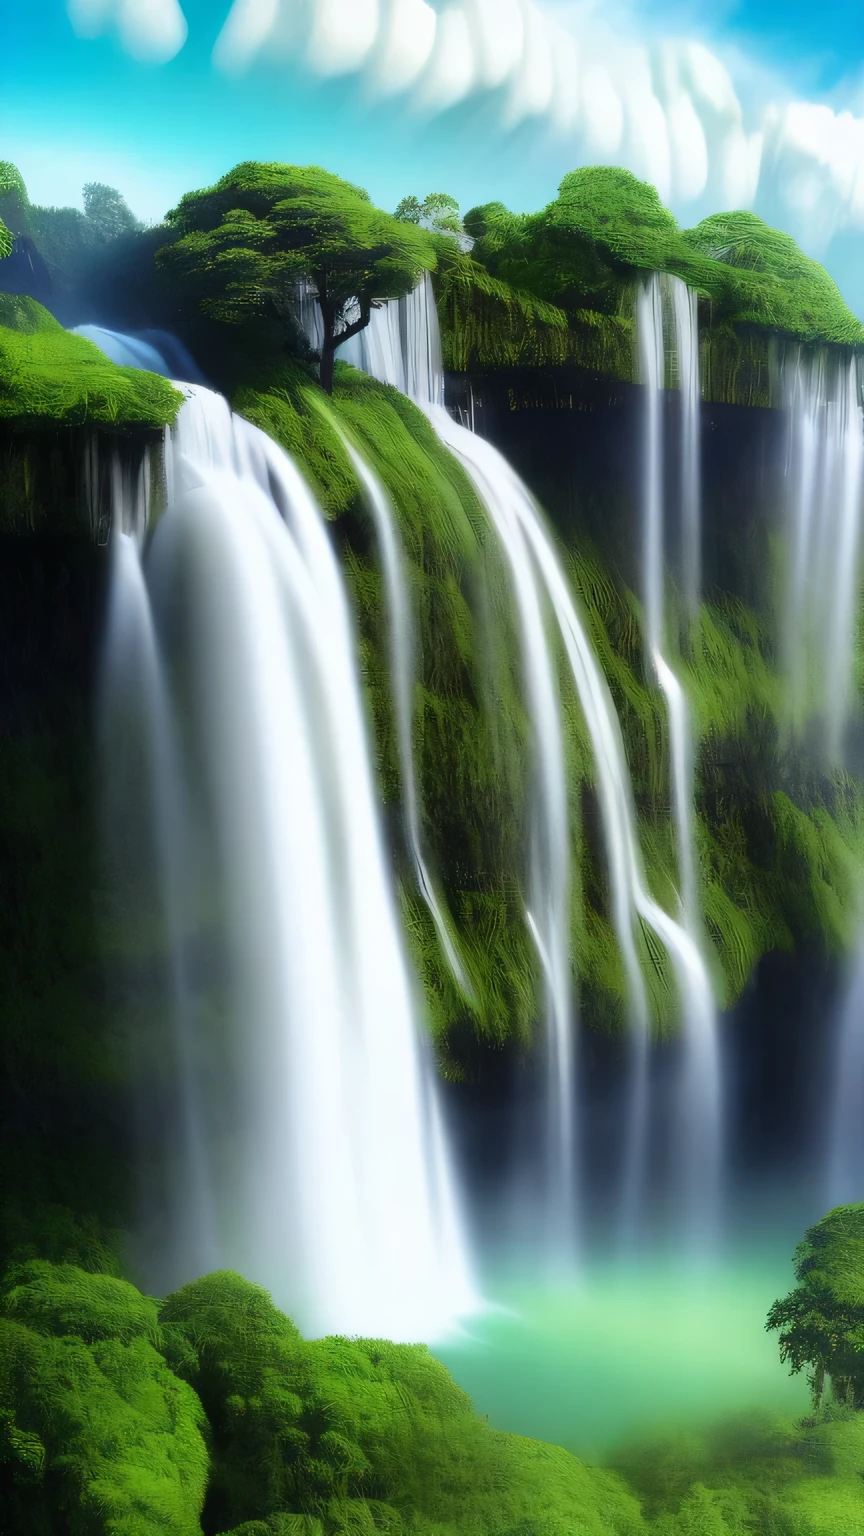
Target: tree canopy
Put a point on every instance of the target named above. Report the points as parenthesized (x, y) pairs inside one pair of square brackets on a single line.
[(248, 242), (439, 212), (108, 212), (588, 247), (821, 1322)]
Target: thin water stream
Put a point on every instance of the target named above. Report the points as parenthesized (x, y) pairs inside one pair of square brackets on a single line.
[(700, 1092)]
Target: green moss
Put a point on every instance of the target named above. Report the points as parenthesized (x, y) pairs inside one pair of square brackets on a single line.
[(771, 283), (48, 375)]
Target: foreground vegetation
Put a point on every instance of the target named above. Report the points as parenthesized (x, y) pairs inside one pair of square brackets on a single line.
[(209, 1413)]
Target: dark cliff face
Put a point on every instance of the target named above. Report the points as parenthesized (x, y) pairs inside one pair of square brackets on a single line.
[(576, 440)]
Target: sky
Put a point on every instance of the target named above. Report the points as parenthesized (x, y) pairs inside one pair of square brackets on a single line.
[(720, 103)]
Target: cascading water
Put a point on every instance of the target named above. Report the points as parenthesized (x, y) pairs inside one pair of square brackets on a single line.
[(685, 314), (157, 351), (401, 632), (825, 495), (539, 586), (698, 1146), (316, 1111)]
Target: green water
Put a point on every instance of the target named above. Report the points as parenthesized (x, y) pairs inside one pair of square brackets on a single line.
[(589, 1365)]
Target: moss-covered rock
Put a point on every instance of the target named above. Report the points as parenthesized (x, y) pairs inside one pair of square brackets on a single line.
[(50, 376)]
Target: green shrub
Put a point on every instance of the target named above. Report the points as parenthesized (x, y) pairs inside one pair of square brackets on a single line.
[(98, 1437), (49, 375)]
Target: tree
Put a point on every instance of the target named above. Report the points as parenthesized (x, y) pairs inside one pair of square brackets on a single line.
[(438, 213), (13, 196), (821, 1322), (248, 242), (108, 212)]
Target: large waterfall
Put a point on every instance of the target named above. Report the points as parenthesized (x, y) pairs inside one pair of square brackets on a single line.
[(311, 1129), (540, 589), (700, 1086), (824, 506)]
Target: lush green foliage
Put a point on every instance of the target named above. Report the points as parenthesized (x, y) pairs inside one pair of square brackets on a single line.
[(821, 1322), (97, 1433), (108, 212), (438, 212), (10, 183), (109, 1404), (361, 1435), (48, 374), (67, 239), (248, 241), (753, 1474), (584, 252)]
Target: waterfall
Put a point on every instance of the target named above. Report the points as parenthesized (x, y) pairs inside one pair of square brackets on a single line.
[(824, 493), (685, 313), (698, 1145), (156, 351), (540, 588), (145, 805), (305, 1066), (845, 1182), (402, 648)]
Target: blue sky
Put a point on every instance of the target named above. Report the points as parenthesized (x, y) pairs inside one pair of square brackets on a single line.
[(758, 103)]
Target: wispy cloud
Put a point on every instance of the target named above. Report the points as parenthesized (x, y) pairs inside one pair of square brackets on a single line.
[(710, 128), (669, 108), (151, 30)]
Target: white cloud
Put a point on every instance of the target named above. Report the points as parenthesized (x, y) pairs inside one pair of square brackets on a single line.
[(151, 30), (595, 80)]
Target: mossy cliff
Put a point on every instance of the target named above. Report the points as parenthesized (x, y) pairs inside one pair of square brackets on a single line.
[(778, 844), (557, 287)]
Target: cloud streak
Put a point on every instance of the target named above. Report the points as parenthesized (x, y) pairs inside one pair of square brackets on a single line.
[(666, 108)]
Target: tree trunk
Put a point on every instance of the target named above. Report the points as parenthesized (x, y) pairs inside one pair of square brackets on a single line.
[(325, 371), (332, 341)]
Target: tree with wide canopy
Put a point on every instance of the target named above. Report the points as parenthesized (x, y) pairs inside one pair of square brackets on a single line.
[(247, 243), (821, 1322)]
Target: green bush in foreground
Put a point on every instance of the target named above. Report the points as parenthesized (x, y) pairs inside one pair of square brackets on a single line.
[(97, 1436)]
